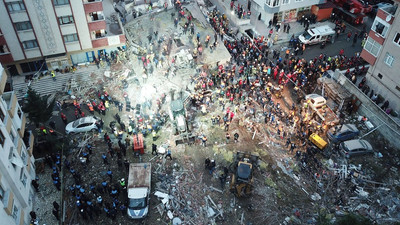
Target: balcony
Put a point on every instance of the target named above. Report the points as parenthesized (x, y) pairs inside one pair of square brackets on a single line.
[(21, 130), (11, 100), (28, 141), (3, 79)]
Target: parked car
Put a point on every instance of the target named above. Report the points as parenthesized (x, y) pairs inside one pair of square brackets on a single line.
[(342, 132), (355, 148), (83, 124), (316, 100)]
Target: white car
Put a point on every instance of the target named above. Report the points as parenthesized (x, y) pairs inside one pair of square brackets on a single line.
[(317, 101), (82, 125)]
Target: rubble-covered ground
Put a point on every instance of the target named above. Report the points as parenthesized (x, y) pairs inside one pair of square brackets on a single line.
[(284, 190)]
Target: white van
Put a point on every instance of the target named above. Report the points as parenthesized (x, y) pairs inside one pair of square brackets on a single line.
[(317, 35)]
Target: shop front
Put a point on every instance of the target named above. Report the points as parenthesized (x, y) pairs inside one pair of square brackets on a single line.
[(291, 15)]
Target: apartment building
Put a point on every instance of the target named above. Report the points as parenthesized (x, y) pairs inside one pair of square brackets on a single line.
[(282, 10), (382, 51), (16, 160), (51, 34)]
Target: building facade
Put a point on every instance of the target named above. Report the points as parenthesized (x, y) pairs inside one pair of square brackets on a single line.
[(283, 10), (382, 51), (17, 168), (51, 34)]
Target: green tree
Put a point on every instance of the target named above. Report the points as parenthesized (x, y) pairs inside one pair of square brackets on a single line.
[(39, 108)]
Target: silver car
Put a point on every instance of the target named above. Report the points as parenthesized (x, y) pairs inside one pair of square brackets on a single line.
[(83, 124), (355, 147)]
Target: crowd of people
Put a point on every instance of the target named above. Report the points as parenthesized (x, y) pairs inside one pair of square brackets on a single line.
[(252, 83), (250, 86)]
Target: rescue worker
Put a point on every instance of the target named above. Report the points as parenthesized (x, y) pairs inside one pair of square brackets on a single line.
[(236, 137), (211, 167), (53, 75), (64, 118), (154, 149), (168, 154), (228, 136), (122, 183), (204, 140)]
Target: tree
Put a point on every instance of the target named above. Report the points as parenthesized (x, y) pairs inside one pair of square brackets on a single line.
[(38, 108)]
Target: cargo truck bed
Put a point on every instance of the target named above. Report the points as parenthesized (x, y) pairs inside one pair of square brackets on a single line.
[(139, 175)]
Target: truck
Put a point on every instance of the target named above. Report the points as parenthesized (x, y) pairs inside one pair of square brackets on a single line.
[(317, 35), (354, 6), (139, 185), (352, 18)]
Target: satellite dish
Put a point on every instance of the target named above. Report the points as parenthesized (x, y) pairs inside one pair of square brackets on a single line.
[(388, 18)]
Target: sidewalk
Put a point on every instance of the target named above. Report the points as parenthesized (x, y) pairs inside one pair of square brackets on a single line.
[(258, 26)]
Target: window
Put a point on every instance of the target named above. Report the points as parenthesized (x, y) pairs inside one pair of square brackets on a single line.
[(19, 112), (13, 139), (2, 115), (23, 157), (272, 3), (4, 49), (70, 37), (23, 177), (30, 44), (94, 16), (298, 0), (15, 6), (397, 39), (380, 76), (2, 192), (380, 27), (15, 212), (26, 25), (98, 34), (372, 46), (65, 19), (2, 139), (61, 2), (284, 2), (389, 59), (11, 153)]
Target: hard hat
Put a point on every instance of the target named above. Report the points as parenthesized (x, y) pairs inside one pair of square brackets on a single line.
[(122, 179)]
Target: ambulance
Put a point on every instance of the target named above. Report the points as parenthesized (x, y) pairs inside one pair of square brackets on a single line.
[(317, 35)]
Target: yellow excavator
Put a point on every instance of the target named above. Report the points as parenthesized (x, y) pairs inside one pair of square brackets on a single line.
[(242, 174)]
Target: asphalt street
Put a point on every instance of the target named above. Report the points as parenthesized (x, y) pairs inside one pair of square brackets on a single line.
[(332, 49)]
